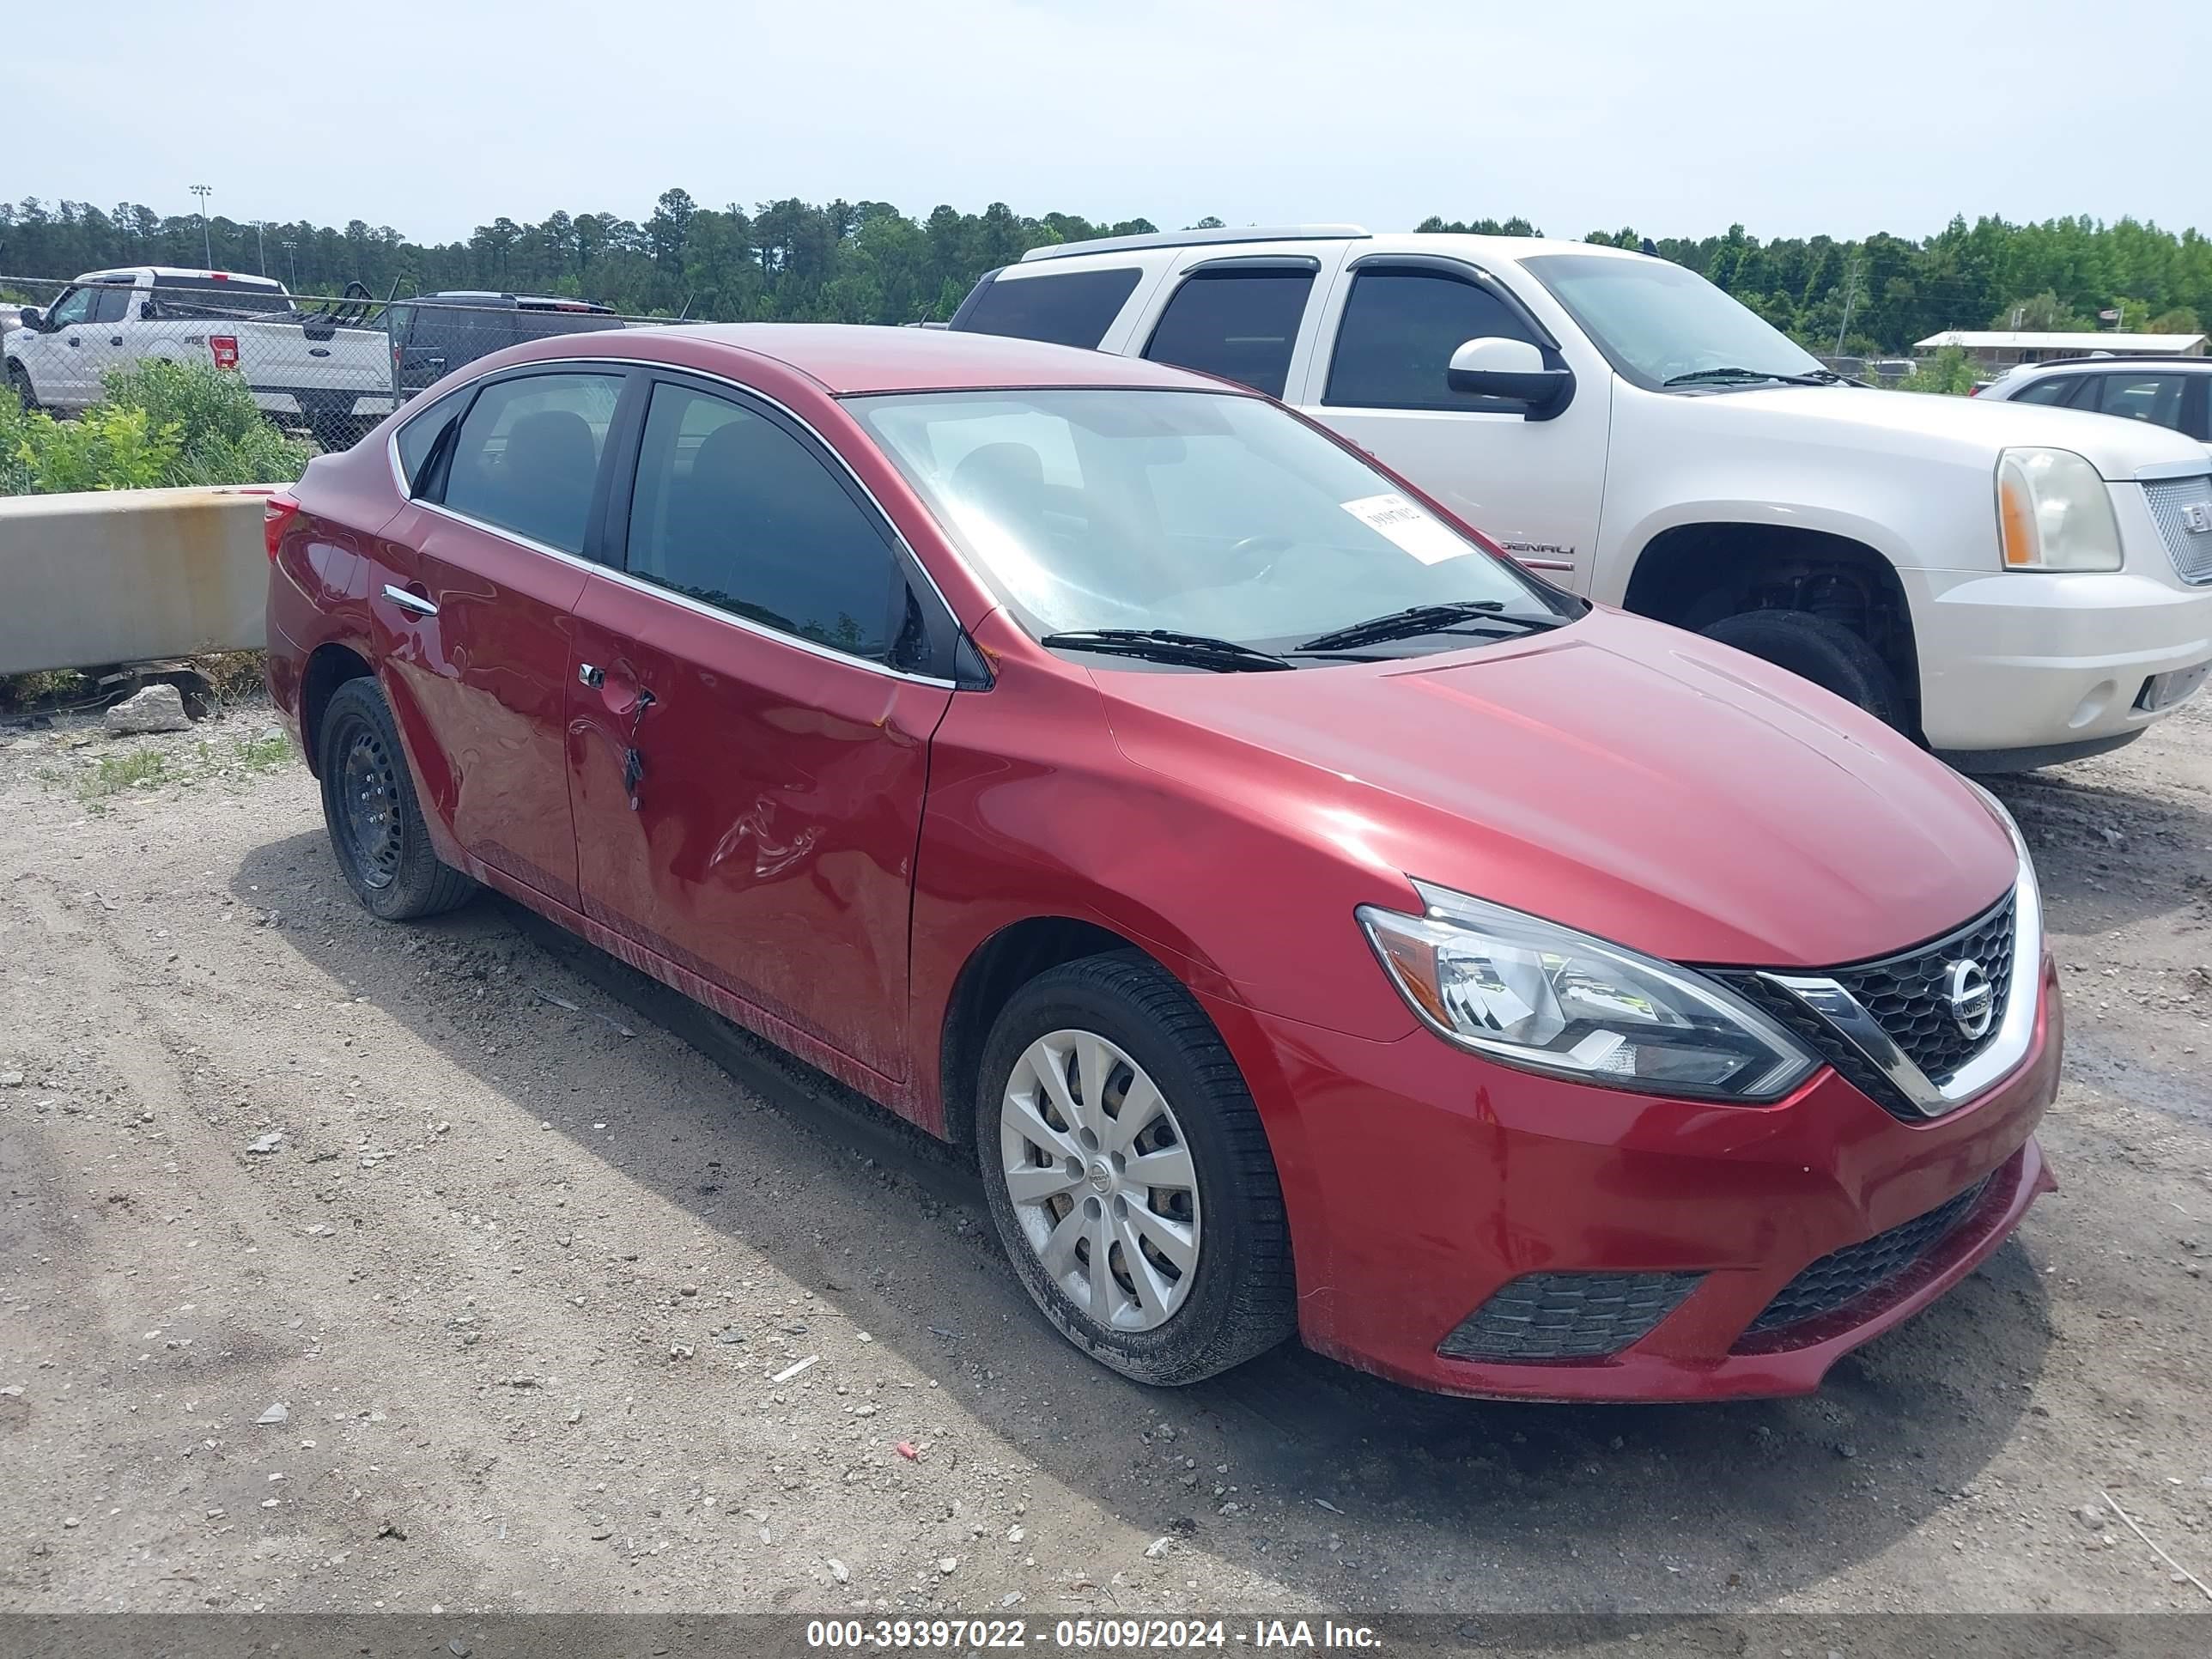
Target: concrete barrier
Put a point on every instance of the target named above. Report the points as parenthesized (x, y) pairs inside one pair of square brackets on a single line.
[(129, 576)]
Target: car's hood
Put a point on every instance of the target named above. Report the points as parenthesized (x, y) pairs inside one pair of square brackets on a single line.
[(1969, 428), (1628, 779)]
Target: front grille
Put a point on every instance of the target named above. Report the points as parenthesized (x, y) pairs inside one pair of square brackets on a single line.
[(1567, 1316), (2170, 504), (1844, 1275), (1909, 996), (1824, 1040)]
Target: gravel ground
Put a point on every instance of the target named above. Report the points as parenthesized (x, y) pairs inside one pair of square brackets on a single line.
[(347, 1266)]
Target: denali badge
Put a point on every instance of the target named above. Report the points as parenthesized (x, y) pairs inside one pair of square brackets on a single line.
[(1973, 999), (2196, 518)]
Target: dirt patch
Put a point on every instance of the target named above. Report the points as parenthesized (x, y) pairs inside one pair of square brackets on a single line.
[(535, 1251)]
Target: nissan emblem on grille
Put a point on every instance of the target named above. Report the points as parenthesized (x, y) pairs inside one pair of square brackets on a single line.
[(1974, 998)]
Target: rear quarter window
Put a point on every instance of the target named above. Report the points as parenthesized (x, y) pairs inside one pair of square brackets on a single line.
[(1073, 308)]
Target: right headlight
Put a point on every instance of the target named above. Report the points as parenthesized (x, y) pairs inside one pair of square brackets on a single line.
[(1547, 999), (2054, 513)]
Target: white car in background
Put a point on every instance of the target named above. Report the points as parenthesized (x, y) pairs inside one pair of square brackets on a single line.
[(2013, 586), (305, 368), (2169, 391)]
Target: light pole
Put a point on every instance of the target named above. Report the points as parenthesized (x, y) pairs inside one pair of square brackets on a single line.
[(292, 255), (207, 243), (260, 247)]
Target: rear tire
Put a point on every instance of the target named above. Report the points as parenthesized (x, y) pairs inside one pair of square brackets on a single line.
[(1196, 1245), (1825, 652), (375, 824)]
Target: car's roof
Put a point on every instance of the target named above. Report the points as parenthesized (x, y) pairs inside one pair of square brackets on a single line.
[(2109, 360), (113, 273), (1467, 244), (843, 357)]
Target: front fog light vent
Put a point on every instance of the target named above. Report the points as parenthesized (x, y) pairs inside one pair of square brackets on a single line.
[(1542, 1317)]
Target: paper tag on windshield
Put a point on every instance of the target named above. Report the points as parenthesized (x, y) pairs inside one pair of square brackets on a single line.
[(1406, 524)]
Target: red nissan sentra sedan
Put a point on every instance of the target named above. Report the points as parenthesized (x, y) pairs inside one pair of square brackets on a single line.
[(1309, 921)]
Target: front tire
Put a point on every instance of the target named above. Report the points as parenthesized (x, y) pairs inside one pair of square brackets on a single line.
[(370, 808), (1825, 652), (1128, 1175), (19, 383)]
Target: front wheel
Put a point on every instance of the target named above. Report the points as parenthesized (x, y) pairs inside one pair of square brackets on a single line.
[(19, 382), (374, 821), (1128, 1175), (1825, 652)]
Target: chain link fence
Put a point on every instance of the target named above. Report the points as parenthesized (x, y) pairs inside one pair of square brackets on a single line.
[(327, 366)]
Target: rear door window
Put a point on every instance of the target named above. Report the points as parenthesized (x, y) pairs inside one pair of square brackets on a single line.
[(1240, 324), (527, 457), (1070, 309), (418, 440), (2153, 397), (1395, 340)]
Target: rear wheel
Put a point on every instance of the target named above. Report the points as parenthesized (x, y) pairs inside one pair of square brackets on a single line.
[(1825, 652), (369, 807), (1128, 1175)]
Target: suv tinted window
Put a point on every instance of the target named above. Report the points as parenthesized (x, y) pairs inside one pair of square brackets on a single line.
[(527, 455), (2057, 390), (1074, 308), (2153, 397), (1240, 324), (732, 509), (1397, 336)]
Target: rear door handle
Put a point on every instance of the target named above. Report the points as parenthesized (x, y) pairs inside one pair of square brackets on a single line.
[(588, 675), (412, 603)]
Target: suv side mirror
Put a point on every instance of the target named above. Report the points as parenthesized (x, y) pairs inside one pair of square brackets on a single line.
[(1495, 366), (33, 319)]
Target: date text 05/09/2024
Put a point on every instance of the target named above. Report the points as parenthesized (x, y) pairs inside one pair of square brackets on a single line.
[(1087, 1635)]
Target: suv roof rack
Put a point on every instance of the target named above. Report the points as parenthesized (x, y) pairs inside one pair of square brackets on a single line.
[(1196, 238), (2121, 358)]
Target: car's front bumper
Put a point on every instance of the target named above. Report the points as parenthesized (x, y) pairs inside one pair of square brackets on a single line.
[(1421, 1181), (2058, 661)]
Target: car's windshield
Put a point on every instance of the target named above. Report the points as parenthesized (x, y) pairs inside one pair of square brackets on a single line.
[(1657, 322), (1203, 513)]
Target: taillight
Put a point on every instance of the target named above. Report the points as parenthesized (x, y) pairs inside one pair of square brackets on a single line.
[(276, 518), (1973, 391), (225, 348)]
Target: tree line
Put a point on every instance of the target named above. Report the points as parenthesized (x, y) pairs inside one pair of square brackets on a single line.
[(840, 261)]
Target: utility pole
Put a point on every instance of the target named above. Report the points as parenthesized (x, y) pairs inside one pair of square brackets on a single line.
[(1851, 294), (207, 243), (260, 247), (291, 253)]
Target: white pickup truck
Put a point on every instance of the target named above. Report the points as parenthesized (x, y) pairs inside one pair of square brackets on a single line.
[(2013, 585), (306, 368)]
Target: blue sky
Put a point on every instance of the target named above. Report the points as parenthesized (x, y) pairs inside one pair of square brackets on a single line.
[(1590, 113)]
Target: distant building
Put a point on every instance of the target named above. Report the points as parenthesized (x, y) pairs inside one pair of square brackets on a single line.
[(2002, 348)]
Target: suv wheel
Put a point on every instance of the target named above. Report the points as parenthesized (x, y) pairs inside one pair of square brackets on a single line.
[(1825, 652), (1128, 1175), (375, 824)]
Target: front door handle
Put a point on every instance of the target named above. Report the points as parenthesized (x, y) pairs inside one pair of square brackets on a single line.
[(415, 604)]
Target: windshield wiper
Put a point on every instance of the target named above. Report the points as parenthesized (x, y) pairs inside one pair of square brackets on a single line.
[(1815, 377), (1445, 618), (1166, 645)]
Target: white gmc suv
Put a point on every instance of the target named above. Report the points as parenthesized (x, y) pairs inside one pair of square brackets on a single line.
[(2013, 585)]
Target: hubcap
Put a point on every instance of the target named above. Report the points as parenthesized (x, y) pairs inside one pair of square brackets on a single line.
[(368, 794), (1101, 1179)]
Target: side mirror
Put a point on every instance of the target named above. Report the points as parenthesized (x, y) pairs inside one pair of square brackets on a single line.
[(1494, 366), (33, 319)]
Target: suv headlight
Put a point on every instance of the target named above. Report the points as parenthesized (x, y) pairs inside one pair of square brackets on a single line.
[(2054, 513), (1547, 999)]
